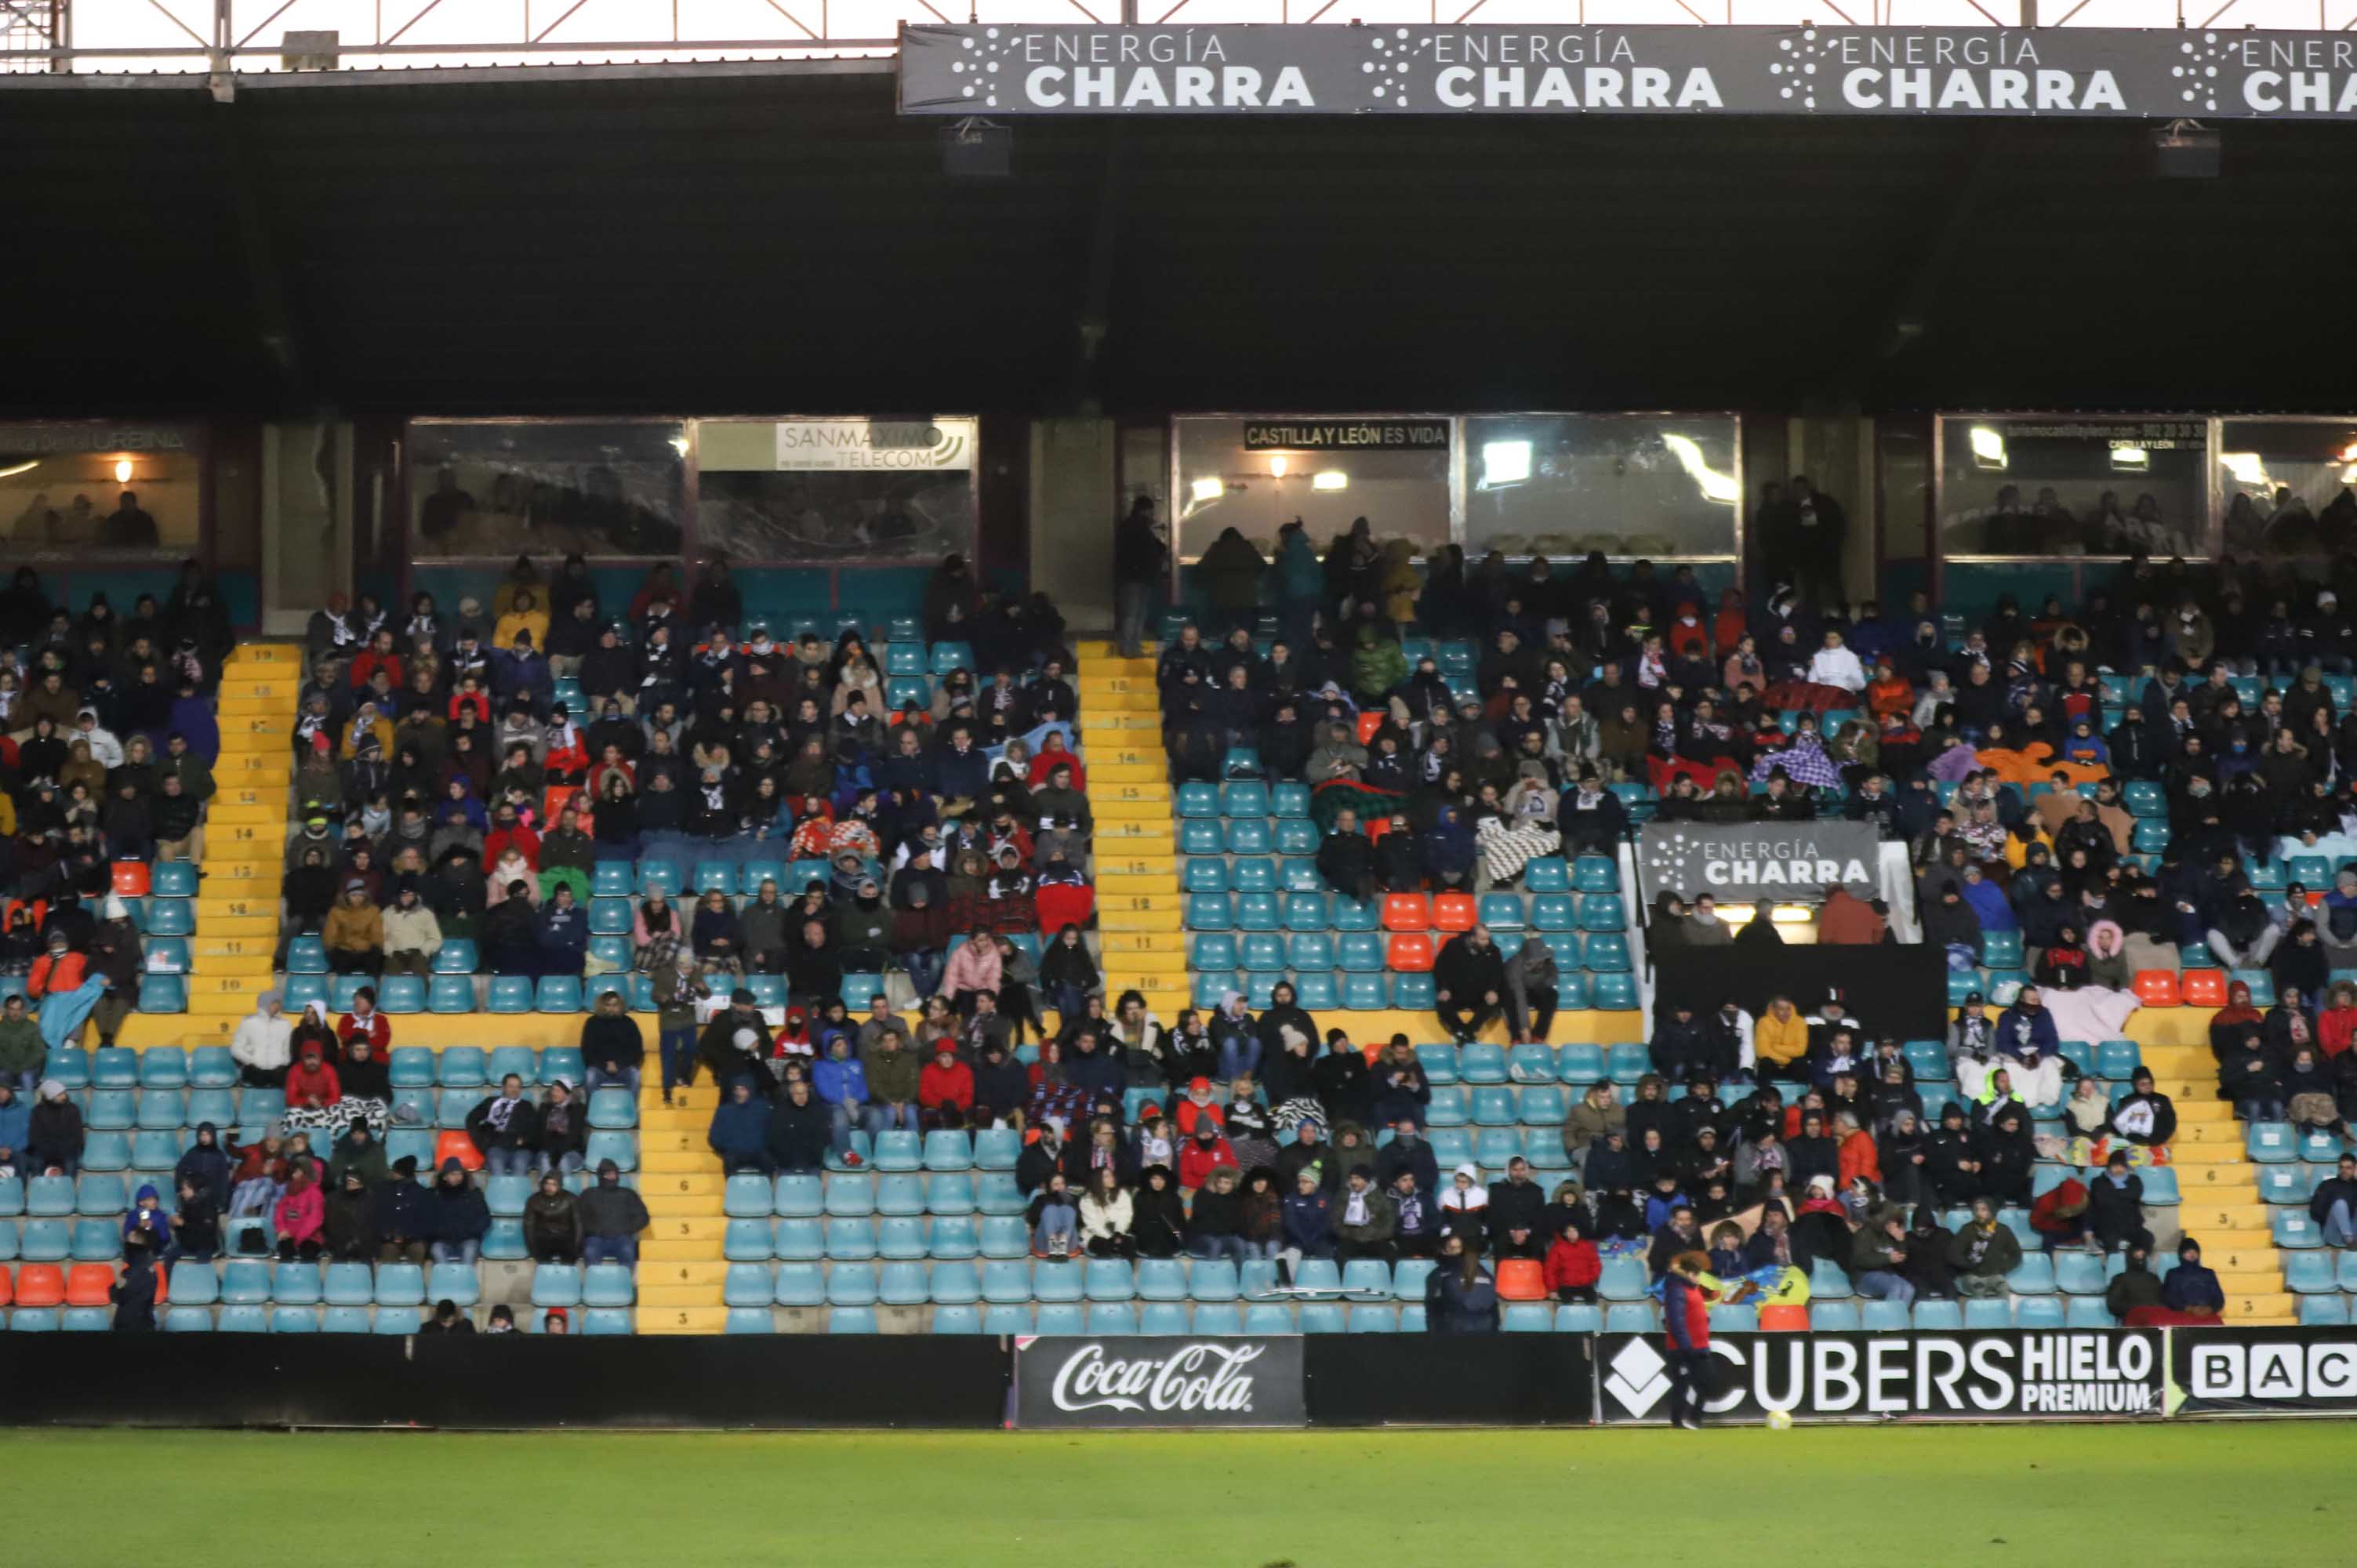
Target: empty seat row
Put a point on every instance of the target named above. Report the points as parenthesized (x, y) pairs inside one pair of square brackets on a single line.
[(1318, 990), (1304, 905)]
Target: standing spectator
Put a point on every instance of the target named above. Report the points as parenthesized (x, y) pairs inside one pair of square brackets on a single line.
[(134, 1294), (1685, 1319), (1141, 568), (1460, 1297)]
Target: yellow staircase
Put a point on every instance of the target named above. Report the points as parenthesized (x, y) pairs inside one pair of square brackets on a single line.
[(2222, 1207), (1141, 947), (681, 1269), (245, 844)]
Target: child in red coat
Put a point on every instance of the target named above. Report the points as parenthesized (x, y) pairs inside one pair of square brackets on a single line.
[(1573, 1266)]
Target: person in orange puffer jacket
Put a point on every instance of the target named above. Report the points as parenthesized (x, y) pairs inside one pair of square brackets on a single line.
[(58, 970), (1859, 1157)]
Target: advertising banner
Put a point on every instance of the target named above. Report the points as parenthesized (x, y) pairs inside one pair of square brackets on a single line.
[(2091, 72), (1758, 860), (2260, 1371), (806, 445), (1993, 1375), (1149, 1380)]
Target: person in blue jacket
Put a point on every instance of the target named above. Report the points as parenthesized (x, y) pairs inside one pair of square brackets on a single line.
[(15, 1122), (563, 929), (740, 1132), (2190, 1288), (842, 1084), (1460, 1297), (1988, 901)]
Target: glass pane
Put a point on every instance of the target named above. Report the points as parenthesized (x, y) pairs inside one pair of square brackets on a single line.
[(1256, 475), (2057, 485), (498, 491), (839, 488), (1627, 484), (70, 492), (2285, 484)]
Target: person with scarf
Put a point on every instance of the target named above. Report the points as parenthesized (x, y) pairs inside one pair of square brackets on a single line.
[(504, 1127)]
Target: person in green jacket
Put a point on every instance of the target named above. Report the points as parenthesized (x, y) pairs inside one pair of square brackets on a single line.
[(1982, 1252), (892, 1071), (196, 775), (1377, 664), (23, 1052)]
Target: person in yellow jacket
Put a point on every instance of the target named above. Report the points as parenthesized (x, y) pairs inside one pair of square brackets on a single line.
[(523, 615), (1781, 1037)]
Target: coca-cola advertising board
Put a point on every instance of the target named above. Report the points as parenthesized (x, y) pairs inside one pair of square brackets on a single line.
[(1149, 1380)]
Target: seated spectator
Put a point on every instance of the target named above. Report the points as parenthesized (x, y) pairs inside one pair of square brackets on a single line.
[(2191, 1291), (457, 1218), (739, 1132), (1982, 1252), (505, 1127), (354, 933), (552, 1223), (1054, 1218)]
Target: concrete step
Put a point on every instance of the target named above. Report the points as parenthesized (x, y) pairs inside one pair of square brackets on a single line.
[(1098, 682), (1115, 719), (1151, 771), (676, 1275), (683, 1227), (673, 1297), (249, 928), (1138, 837), (1146, 962), (1141, 941), (682, 1319), (2275, 1307), (2240, 1254), (205, 945), (256, 816), (1126, 754), (256, 707), (679, 1162), (679, 1249), (1137, 920), (238, 964), (243, 878), (260, 651), (680, 1138), (2183, 1152), (1171, 901), (2203, 1215), (142, 1030), (241, 791), (1116, 805), (255, 771), (214, 906), (1125, 884), (227, 985)]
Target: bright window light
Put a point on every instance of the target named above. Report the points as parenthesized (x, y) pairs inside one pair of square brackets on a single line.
[(1988, 448), (2248, 467), (2131, 458), (1504, 463), (1332, 479), (1207, 489)]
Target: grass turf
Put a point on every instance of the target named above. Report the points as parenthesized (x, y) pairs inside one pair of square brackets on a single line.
[(2163, 1495)]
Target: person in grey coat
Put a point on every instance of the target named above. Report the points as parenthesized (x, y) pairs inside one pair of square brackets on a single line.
[(1531, 989)]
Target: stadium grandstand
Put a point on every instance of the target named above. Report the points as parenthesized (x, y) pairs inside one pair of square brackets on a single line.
[(1564, 718)]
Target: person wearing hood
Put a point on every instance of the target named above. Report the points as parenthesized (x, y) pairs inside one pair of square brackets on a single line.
[(611, 1215), (2192, 1291), (2031, 1046), (1532, 991), (206, 1165), (134, 1294), (2136, 1288), (346, 1232), (312, 1085), (23, 1055), (552, 1223), (739, 1133), (300, 1214), (457, 1218), (946, 1088), (261, 1046), (358, 1152)]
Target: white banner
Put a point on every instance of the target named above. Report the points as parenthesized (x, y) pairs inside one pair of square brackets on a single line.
[(809, 445)]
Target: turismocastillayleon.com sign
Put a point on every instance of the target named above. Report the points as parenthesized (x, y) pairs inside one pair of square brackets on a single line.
[(2120, 73)]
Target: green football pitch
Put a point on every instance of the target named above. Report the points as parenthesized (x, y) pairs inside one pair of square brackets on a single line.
[(2258, 1494)]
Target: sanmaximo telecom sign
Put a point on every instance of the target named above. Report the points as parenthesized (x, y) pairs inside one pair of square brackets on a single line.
[(1003, 69)]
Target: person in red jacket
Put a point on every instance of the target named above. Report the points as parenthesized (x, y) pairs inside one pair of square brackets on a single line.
[(2059, 1216), (1198, 1106), (2336, 1030), (1201, 1154), (364, 1022), (506, 833), (1573, 1265), (57, 972), (312, 1083), (946, 1088), (1685, 1317)]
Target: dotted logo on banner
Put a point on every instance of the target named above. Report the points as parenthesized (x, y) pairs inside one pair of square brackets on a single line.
[(1391, 65), (2197, 74), (1795, 68), (979, 70), (1666, 855)]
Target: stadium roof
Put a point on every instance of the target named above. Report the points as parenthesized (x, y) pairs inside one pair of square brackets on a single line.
[(769, 239)]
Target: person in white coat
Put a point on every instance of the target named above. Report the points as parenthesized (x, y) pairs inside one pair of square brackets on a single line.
[(261, 1046), (1835, 665)]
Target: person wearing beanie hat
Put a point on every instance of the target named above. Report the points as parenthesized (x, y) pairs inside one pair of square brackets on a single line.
[(53, 1133), (400, 1216), (457, 1218), (1365, 1218)]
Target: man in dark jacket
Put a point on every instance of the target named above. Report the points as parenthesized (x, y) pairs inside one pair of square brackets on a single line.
[(1677, 1235), (2333, 1204), (2134, 1286), (2190, 1288), (1469, 984), (740, 1132), (717, 1047), (1409, 1152), (397, 1216), (2116, 1207), (506, 1127), (1678, 1046), (612, 1214), (1346, 860), (799, 1130), (1517, 1214), (1685, 1319)]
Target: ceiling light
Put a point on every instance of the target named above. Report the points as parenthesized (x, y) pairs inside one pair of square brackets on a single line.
[(2131, 458), (1207, 489), (1988, 448), (123, 470), (1332, 479), (1277, 466)]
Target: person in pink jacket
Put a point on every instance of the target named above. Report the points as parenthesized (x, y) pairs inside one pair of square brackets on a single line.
[(301, 1214), (973, 969)]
